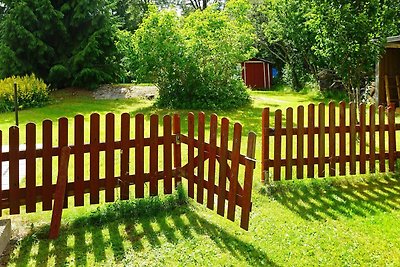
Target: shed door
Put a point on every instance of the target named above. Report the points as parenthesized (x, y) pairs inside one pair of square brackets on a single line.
[(255, 75)]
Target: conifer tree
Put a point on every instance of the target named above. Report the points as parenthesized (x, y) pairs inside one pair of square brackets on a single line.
[(67, 43)]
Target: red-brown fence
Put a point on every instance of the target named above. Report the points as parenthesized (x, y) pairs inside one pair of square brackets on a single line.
[(89, 158), (340, 143)]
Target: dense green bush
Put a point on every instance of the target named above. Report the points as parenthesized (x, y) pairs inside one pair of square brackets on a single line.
[(32, 92), (195, 60)]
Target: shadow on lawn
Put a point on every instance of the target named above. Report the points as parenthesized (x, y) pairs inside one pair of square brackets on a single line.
[(319, 201), (95, 240)]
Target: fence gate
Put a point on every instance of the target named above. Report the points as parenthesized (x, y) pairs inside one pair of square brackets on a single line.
[(225, 183), (336, 142)]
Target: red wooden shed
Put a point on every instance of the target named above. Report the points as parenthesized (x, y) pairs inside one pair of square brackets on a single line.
[(257, 73)]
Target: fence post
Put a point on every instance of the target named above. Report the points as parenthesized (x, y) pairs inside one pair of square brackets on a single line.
[(59, 196), (16, 103), (265, 146)]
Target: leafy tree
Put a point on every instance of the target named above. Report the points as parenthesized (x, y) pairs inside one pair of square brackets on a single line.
[(350, 36), (65, 42), (195, 60)]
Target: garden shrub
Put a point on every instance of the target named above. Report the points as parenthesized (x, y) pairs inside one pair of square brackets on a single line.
[(195, 60), (32, 92)]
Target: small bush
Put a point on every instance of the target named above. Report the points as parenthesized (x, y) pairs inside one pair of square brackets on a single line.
[(32, 92)]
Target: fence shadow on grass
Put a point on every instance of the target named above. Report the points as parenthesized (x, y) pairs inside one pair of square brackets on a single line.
[(125, 238), (321, 200)]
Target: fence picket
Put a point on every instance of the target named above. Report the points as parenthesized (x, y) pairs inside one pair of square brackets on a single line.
[(248, 180), (372, 112), (177, 148), (153, 155), (167, 155), (223, 164), (62, 141), (110, 157), (362, 135), (124, 164), (289, 143), (392, 139), (211, 161), (353, 122), (14, 170), (139, 156), (342, 138), (30, 167), (311, 140), (200, 168), (321, 140), (233, 179), (79, 163), (265, 145), (381, 116), (47, 166), (277, 145), (191, 155), (332, 139), (300, 142), (94, 157)]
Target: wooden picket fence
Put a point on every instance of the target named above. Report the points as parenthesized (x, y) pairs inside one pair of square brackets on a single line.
[(341, 143), (224, 185)]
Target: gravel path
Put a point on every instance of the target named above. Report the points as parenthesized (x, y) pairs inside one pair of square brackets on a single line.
[(117, 92)]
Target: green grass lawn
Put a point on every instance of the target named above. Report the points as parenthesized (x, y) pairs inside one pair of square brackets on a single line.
[(343, 222)]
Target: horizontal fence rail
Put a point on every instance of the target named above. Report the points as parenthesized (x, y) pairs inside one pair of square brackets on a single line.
[(328, 140), (130, 161)]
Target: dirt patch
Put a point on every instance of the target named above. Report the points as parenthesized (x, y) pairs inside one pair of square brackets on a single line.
[(129, 91)]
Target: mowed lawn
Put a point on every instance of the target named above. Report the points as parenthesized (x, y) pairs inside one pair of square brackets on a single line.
[(338, 221)]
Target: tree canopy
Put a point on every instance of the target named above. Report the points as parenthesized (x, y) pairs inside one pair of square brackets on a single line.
[(68, 43)]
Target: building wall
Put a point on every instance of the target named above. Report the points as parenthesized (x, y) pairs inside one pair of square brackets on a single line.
[(257, 74), (388, 65)]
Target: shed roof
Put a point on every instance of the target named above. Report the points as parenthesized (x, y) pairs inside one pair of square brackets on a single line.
[(393, 42), (260, 59)]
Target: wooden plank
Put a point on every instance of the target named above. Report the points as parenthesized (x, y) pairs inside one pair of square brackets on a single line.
[(223, 166), (310, 140), (167, 154), (332, 139), (321, 140), (94, 157), (353, 122), (289, 143), (211, 161), (62, 141), (381, 116), (79, 161), (363, 143), (124, 167), (1, 171), (200, 166), (139, 156), (110, 157), (300, 142), (387, 90), (233, 179), (14, 170), (372, 112), (265, 145), (60, 193), (398, 87), (47, 165), (153, 155), (392, 138), (177, 148), (342, 138), (278, 145), (30, 167), (248, 180), (191, 155)]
